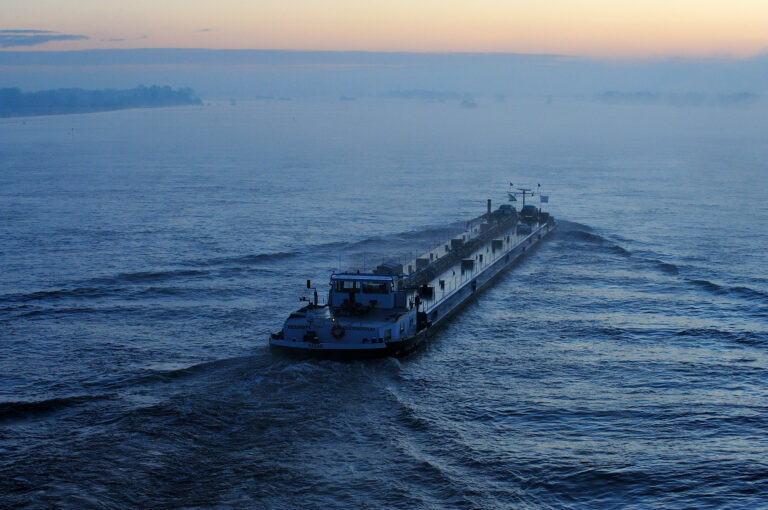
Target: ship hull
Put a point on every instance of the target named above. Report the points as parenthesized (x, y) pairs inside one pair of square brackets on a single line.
[(390, 350)]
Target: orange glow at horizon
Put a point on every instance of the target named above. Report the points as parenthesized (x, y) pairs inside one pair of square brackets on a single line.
[(594, 28)]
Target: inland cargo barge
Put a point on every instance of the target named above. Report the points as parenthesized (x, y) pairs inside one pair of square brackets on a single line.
[(395, 308)]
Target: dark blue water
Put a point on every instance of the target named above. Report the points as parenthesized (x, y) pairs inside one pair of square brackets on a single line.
[(146, 255)]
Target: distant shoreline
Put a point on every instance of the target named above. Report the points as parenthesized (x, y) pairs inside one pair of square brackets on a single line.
[(15, 103), (78, 112)]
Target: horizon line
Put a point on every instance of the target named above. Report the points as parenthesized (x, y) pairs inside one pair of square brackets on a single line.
[(558, 56)]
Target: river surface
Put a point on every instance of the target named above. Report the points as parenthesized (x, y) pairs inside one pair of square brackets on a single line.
[(147, 254)]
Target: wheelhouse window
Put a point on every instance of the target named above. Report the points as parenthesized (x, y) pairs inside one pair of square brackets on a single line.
[(374, 287), (364, 286), (347, 286)]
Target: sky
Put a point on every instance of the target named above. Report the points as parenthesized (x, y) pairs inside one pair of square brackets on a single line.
[(585, 28)]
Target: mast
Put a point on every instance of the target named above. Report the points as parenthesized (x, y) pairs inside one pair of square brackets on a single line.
[(526, 191)]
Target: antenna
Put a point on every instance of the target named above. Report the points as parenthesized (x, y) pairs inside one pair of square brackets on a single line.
[(526, 191)]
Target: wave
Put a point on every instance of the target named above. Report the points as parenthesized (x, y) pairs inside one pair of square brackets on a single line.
[(247, 259), (749, 293), (565, 226), (163, 292), (384, 241), (441, 231), (618, 250), (250, 363), (59, 311), (103, 286), (665, 267), (106, 286), (433, 231), (741, 337), (738, 290), (149, 276), (91, 293), (583, 236), (123, 285), (388, 244), (589, 237), (77, 292), (709, 286), (23, 410)]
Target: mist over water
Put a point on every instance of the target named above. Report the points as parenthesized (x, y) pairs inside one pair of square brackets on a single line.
[(147, 254)]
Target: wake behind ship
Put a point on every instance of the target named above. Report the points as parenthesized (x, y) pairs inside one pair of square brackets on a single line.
[(392, 310)]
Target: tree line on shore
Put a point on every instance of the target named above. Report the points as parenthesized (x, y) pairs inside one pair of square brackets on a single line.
[(15, 102)]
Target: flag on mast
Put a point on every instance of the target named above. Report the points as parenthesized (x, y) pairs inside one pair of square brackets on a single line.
[(544, 199)]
